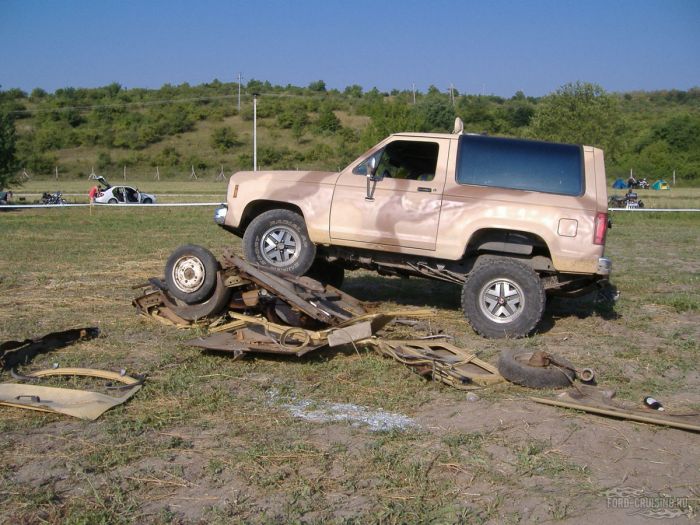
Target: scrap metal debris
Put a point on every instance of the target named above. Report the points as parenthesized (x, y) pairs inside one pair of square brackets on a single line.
[(77, 403), (602, 402), (241, 286), (444, 362), (255, 310), (16, 353)]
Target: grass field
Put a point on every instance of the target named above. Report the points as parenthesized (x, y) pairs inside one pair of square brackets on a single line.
[(213, 440), (180, 188)]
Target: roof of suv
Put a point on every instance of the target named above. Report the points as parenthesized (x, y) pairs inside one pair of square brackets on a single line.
[(426, 135)]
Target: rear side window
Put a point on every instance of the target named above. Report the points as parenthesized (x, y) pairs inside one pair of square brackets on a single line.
[(520, 164)]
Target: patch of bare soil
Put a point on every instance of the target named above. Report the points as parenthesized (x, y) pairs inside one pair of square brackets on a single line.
[(629, 472)]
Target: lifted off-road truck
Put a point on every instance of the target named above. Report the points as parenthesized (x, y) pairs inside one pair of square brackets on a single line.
[(510, 220)]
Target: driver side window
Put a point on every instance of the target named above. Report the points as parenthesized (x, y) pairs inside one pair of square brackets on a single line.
[(404, 159)]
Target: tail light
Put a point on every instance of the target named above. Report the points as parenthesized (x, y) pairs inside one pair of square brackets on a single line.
[(601, 226)]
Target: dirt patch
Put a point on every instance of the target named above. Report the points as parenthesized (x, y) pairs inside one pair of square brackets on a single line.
[(610, 455)]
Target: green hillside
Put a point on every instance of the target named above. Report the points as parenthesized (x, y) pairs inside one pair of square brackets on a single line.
[(175, 128)]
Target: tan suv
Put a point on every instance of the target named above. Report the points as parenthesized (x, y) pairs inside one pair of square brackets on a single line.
[(508, 219)]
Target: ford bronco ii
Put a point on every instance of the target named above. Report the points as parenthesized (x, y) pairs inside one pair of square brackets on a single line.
[(509, 220)]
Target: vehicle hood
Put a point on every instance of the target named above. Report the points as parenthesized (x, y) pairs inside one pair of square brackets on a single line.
[(309, 177)]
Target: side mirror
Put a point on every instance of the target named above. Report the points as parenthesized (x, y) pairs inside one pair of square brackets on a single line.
[(372, 168), (371, 178)]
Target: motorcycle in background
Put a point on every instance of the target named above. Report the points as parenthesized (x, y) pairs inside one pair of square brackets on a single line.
[(628, 200), (53, 198)]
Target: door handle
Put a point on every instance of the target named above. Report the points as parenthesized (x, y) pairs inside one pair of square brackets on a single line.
[(424, 189)]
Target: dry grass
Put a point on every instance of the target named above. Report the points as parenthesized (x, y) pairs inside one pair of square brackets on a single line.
[(209, 439)]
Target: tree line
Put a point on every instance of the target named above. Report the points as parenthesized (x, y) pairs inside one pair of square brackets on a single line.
[(653, 133)]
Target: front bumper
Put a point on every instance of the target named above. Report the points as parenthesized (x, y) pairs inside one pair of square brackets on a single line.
[(220, 214)]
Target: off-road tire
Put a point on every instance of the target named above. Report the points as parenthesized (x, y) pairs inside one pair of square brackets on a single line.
[(327, 273), (512, 365), (190, 273), (503, 298), (278, 239)]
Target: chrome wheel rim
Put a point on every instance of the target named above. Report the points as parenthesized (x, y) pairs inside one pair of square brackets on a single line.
[(279, 246), (189, 274), (501, 300)]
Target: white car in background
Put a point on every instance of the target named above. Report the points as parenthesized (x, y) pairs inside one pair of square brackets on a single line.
[(109, 194)]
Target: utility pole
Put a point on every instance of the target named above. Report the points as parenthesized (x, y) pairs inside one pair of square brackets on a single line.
[(239, 92), (255, 132), (414, 93), (452, 95)]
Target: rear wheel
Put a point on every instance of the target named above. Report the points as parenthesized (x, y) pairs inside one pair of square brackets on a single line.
[(503, 298), (190, 273), (112, 201), (278, 239)]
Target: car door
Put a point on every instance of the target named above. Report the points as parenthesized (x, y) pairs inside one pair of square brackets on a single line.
[(118, 193), (131, 196), (402, 207)]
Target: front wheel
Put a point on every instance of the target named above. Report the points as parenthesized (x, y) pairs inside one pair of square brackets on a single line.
[(278, 239), (503, 298)]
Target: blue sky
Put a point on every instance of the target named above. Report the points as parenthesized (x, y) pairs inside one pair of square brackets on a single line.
[(495, 47)]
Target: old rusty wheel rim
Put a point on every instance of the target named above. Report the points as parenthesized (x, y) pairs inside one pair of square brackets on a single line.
[(189, 274)]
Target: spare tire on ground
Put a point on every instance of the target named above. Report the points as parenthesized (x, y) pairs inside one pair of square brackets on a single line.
[(514, 366), (190, 273)]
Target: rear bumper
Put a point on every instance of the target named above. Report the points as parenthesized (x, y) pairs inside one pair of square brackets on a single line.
[(604, 266)]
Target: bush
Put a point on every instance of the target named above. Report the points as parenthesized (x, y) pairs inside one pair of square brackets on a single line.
[(104, 160), (327, 121), (293, 117), (193, 161), (39, 163), (223, 139), (169, 156), (318, 86)]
